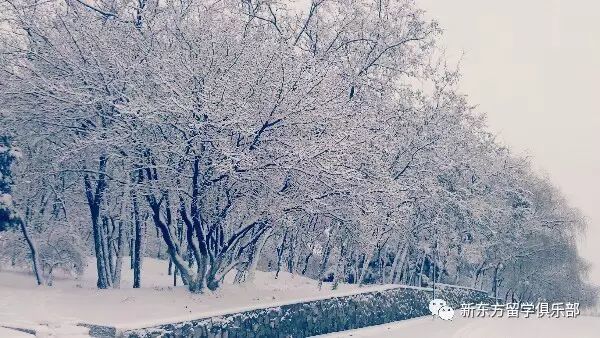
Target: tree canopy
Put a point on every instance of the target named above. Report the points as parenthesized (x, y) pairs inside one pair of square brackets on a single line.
[(331, 141)]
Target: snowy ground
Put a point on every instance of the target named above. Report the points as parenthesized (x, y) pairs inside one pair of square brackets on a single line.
[(55, 310), (581, 327), (4, 332)]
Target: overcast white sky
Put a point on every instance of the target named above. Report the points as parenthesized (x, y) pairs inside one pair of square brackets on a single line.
[(533, 66)]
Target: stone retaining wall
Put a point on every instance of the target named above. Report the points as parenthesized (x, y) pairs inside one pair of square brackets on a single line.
[(309, 318)]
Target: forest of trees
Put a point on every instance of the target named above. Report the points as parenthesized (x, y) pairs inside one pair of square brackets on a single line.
[(233, 135)]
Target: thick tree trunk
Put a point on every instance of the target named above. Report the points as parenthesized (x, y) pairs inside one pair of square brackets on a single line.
[(280, 251), (398, 264), (325, 260), (306, 261), (421, 274), (107, 251), (339, 267), (138, 243), (116, 281), (291, 254), (251, 273), (102, 282), (35, 261), (365, 267), (495, 280), (382, 264), (94, 199), (478, 273), (131, 253), (215, 256), (404, 279), (187, 275)]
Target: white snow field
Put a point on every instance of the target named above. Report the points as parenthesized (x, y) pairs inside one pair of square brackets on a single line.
[(460, 327), (4, 332), (55, 311)]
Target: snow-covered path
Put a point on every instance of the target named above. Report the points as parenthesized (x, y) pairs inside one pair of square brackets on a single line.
[(581, 327)]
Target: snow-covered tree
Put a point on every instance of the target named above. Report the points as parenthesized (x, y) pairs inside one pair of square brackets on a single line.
[(330, 141)]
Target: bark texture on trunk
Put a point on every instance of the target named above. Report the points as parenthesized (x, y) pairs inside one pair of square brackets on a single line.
[(138, 243), (94, 198), (35, 261), (119, 246)]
